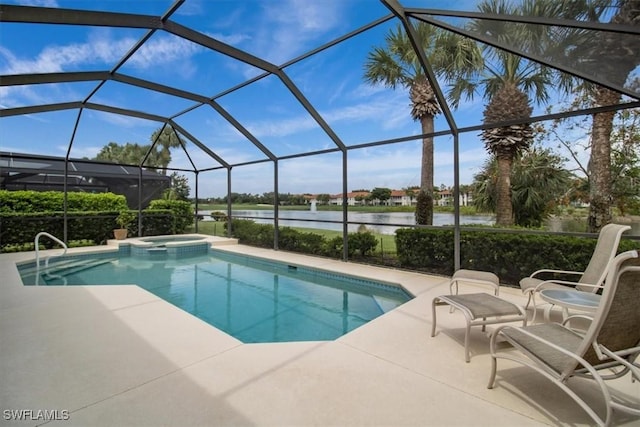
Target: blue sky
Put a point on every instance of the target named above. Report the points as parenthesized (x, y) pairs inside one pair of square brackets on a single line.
[(276, 31)]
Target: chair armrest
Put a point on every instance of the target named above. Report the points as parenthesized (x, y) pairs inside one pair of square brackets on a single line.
[(588, 285), (576, 316), (559, 282), (546, 270), (603, 352)]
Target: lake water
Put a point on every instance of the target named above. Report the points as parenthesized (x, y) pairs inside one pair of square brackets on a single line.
[(332, 220)]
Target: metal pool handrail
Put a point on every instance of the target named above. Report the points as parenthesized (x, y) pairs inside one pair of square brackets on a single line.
[(52, 237)]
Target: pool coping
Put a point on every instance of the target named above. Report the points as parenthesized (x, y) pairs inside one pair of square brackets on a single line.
[(145, 242), (125, 357)]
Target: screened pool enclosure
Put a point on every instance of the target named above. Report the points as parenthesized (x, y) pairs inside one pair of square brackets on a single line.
[(251, 103)]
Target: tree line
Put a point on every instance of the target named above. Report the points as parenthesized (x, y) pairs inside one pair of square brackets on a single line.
[(509, 84), (156, 155)]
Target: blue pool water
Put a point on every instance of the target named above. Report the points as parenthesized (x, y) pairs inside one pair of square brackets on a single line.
[(251, 299)]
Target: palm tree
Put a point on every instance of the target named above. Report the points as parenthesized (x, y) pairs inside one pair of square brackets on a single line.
[(539, 184), (506, 85), (128, 154), (166, 139), (627, 58), (110, 153), (508, 81), (509, 102), (397, 64)]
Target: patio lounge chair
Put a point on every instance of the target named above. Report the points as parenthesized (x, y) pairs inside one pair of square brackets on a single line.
[(611, 342), (589, 280)]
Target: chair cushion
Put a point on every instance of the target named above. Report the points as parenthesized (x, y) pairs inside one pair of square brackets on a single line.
[(551, 332)]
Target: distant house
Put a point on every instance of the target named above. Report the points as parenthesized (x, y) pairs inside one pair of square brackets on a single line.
[(400, 198), (445, 198), (354, 198)]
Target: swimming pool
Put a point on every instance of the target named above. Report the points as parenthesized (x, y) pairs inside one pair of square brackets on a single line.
[(252, 299)]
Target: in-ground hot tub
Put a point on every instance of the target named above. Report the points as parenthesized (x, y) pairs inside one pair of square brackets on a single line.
[(168, 240), (169, 246)]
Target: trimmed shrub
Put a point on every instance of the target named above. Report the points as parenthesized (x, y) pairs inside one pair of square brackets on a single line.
[(250, 233), (362, 242), (308, 243), (510, 256), (53, 201), (182, 211), (90, 217)]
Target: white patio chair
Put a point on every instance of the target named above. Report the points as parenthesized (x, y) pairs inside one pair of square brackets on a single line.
[(589, 280), (611, 342)]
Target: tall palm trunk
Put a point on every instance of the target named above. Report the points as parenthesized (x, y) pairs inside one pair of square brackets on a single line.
[(424, 107), (507, 142), (627, 54), (504, 207), (426, 175), (600, 163)]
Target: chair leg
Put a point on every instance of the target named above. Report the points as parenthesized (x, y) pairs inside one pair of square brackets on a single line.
[(466, 342), (532, 298), (452, 284), (528, 300), (547, 313), (494, 368), (433, 317), (494, 360)]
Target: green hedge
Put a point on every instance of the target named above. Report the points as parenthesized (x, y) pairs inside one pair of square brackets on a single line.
[(17, 228), (249, 233), (91, 217), (510, 256), (20, 229), (182, 212), (53, 201)]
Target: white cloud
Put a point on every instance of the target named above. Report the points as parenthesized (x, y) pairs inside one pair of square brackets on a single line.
[(40, 3), (390, 112), (366, 90), (56, 58), (231, 39), (280, 128), (103, 50), (190, 8), (164, 50), (288, 26)]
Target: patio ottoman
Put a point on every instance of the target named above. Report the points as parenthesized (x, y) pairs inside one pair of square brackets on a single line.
[(479, 309), (475, 276)]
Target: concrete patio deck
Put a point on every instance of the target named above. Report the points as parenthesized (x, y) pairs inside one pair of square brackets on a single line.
[(120, 356)]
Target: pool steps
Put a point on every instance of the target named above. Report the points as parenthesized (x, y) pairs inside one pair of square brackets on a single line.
[(68, 266)]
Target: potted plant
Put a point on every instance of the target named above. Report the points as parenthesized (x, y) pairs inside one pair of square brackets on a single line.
[(123, 220)]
